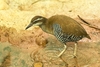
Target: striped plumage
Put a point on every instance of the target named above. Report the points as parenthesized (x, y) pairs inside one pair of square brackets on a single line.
[(64, 28), (64, 37)]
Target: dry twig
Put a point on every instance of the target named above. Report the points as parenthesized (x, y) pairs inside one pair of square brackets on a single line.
[(88, 24)]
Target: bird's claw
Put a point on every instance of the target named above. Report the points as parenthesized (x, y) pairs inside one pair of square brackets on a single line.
[(71, 56)]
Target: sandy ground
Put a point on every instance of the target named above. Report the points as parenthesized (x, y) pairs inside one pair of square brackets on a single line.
[(41, 49), (35, 48)]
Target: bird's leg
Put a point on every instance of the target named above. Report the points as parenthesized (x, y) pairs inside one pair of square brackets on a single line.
[(74, 52), (75, 56), (75, 49), (62, 50)]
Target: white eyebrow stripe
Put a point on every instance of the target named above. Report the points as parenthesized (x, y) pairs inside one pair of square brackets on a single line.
[(38, 19)]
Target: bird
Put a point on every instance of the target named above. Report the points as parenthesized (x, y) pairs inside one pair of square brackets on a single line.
[(64, 28)]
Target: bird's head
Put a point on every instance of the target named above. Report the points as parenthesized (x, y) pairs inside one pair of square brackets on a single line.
[(37, 21)]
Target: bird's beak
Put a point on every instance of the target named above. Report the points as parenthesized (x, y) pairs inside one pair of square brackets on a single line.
[(32, 24), (28, 26)]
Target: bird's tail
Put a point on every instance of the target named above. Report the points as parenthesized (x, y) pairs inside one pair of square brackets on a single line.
[(88, 37)]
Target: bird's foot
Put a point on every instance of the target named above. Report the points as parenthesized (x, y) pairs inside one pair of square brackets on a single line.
[(72, 56), (62, 51)]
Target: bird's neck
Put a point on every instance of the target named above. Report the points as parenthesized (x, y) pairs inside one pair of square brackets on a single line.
[(46, 28), (43, 27)]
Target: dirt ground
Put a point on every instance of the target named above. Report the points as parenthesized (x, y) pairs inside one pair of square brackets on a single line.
[(35, 48), (41, 49)]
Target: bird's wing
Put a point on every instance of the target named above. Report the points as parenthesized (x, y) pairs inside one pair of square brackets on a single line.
[(66, 25), (73, 29), (69, 29)]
